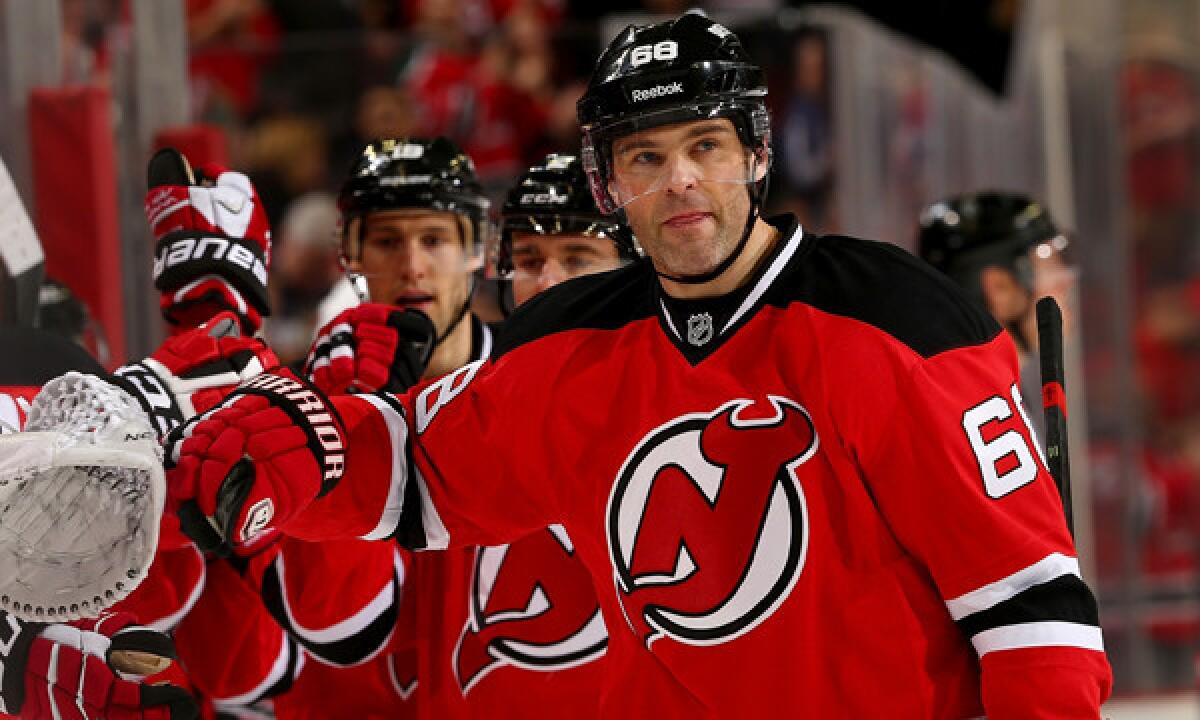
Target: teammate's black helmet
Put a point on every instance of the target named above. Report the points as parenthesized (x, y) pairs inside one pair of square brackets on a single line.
[(552, 198), (964, 234), (413, 173), (690, 68)]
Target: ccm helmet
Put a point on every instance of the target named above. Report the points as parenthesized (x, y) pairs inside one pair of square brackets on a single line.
[(553, 198)]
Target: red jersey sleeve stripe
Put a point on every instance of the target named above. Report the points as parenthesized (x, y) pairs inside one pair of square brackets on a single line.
[(167, 623), (354, 639), (437, 537), (1052, 566), (286, 667), (1039, 634), (397, 430)]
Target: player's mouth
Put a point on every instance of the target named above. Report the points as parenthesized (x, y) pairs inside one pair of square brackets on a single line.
[(414, 299), (686, 220)]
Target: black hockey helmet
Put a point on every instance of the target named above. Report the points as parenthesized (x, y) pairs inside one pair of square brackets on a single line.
[(552, 198), (690, 68), (964, 234), (396, 173)]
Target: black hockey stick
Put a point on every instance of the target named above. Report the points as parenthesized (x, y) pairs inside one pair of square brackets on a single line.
[(1054, 400)]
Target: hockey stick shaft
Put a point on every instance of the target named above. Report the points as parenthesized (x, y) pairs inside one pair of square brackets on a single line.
[(1054, 400)]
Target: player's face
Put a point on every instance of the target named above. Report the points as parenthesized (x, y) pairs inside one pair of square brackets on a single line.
[(417, 259), (543, 261), (684, 188)]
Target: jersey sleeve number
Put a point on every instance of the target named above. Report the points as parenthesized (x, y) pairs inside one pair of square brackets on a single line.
[(1009, 449)]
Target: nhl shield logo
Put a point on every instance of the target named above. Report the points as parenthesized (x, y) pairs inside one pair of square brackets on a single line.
[(700, 329)]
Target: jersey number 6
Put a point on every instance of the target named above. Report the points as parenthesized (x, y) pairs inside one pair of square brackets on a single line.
[(1008, 450)]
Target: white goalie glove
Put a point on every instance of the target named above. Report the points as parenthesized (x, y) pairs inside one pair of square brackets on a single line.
[(81, 497)]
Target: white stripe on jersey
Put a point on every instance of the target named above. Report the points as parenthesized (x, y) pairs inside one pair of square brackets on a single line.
[(274, 675), (347, 627), (167, 624), (398, 436), (767, 279), (1052, 566), (437, 537), (485, 351), (1038, 634)]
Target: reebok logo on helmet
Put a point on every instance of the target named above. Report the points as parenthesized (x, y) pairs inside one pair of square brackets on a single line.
[(657, 91)]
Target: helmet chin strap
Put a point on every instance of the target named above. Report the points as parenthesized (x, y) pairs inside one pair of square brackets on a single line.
[(462, 313)]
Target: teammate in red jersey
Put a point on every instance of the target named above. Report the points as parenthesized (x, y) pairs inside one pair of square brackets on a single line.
[(213, 248), (797, 467), (515, 630), (415, 222)]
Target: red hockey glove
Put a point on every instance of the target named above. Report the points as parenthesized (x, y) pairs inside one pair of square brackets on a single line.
[(371, 347), (254, 461), (192, 372), (88, 669), (213, 242)]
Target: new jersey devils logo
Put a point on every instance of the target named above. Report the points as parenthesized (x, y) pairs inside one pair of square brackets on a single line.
[(707, 525), (532, 606)]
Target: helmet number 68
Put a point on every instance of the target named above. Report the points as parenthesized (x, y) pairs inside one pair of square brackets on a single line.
[(665, 50)]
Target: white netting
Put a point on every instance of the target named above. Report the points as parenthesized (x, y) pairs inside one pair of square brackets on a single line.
[(81, 496)]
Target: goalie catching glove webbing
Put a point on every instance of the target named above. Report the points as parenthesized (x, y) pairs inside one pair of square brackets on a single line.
[(87, 670), (241, 470), (81, 498)]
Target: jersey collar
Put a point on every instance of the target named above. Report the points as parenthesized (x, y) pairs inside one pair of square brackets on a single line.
[(699, 327)]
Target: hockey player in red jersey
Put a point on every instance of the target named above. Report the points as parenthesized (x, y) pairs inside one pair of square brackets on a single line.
[(212, 254), (415, 222), (798, 466), (515, 631)]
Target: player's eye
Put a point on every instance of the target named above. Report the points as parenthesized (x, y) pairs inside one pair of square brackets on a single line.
[(576, 264), (647, 158), (383, 242), (432, 240), (529, 264)]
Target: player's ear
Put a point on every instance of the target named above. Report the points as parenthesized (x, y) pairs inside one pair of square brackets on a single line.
[(762, 162), (1001, 291)]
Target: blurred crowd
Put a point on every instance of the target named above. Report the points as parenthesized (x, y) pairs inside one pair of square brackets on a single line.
[(298, 87)]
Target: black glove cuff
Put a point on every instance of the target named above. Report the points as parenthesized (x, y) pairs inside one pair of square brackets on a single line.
[(182, 256), (143, 383), (15, 638), (311, 411)]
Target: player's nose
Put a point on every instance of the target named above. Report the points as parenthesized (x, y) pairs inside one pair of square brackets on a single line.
[(552, 274)]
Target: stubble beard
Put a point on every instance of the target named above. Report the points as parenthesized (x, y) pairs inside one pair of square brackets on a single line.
[(683, 256)]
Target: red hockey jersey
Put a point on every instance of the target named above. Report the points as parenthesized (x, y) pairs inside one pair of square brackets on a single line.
[(503, 631), (815, 497), (346, 602), (509, 631)]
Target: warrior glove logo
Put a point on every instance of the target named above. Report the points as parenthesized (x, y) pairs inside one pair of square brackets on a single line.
[(532, 606), (707, 524)]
